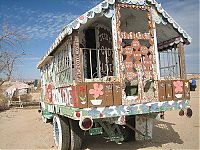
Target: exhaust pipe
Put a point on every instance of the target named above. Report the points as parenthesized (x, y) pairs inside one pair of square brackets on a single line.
[(86, 123)]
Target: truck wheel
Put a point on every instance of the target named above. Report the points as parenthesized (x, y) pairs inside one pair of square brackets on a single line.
[(76, 135), (61, 132)]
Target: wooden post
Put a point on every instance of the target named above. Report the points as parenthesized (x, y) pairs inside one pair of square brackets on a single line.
[(77, 58), (181, 55)]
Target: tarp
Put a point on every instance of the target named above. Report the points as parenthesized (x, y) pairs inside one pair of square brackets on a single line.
[(16, 86)]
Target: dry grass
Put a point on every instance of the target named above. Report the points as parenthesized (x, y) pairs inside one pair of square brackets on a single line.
[(3, 101)]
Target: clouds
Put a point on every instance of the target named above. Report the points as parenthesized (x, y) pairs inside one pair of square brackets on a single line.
[(37, 24), (186, 13), (30, 58), (47, 24)]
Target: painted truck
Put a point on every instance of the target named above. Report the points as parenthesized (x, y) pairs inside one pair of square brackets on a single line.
[(113, 70)]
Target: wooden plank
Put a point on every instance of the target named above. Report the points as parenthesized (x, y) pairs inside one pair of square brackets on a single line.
[(117, 94), (108, 88), (169, 90), (161, 91), (187, 89), (82, 95), (181, 54)]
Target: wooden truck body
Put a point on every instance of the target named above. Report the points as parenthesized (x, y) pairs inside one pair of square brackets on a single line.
[(120, 63)]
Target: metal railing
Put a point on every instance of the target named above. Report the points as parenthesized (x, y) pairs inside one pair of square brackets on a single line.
[(169, 63), (97, 63)]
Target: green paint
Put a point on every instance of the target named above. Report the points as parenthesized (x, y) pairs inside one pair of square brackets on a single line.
[(47, 114), (96, 131)]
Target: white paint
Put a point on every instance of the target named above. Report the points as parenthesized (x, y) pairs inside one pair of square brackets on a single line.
[(114, 36), (156, 52), (96, 102), (60, 99)]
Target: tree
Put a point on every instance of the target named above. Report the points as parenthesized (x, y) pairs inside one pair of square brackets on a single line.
[(10, 50)]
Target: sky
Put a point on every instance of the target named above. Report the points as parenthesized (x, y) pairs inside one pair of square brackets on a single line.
[(42, 21)]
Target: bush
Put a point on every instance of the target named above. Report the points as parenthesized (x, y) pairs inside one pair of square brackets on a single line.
[(3, 102)]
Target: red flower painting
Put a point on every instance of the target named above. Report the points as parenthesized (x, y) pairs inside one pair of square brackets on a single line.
[(178, 86), (97, 91)]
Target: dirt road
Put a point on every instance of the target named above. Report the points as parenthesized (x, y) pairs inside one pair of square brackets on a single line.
[(23, 128)]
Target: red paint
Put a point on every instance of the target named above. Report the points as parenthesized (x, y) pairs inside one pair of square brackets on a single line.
[(101, 115), (82, 88), (73, 94), (81, 17), (178, 86), (49, 92), (97, 91), (78, 114)]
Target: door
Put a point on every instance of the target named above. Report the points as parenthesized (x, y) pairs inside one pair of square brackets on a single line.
[(136, 46)]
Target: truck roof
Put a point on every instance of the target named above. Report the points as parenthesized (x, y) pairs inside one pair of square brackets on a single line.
[(160, 16)]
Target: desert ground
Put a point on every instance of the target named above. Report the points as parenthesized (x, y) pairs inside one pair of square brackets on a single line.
[(24, 129)]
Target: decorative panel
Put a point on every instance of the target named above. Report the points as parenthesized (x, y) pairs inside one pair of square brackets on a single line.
[(161, 91), (96, 93), (169, 90), (77, 57), (65, 96), (187, 89), (73, 94), (108, 94), (178, 89), (48, 93), (117, 93), (82, 95)]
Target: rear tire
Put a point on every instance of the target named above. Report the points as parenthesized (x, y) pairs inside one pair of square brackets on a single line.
[(76, 135), (61, 132)]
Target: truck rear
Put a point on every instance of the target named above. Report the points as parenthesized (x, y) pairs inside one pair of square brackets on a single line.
[(114, 69)]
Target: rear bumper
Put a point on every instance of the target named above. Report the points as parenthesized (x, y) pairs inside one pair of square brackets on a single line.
[(116, 111)]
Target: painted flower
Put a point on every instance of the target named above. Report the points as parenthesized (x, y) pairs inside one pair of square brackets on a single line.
[(97, 91), (178, 86), (82, 88)]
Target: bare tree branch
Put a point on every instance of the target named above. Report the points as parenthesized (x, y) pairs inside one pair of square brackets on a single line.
[(12, 38)]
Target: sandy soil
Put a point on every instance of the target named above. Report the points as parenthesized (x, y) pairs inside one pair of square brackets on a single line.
[(24, 129)]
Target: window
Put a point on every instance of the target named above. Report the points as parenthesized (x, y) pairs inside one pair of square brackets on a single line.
[(169, 63), (133, 20), (63, 63)]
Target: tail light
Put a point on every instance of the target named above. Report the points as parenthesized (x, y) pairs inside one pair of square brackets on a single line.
[(86, 123)]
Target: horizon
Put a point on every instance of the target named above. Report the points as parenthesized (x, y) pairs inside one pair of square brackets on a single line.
[(44, 19)]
